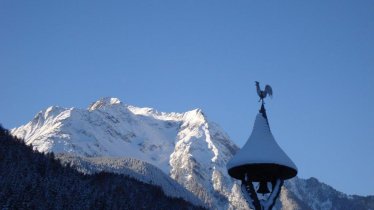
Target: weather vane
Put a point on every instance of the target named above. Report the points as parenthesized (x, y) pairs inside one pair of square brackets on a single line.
[(261, 163), (263, 93)]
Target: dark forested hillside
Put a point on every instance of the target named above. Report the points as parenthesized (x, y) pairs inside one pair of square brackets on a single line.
[(31, 180)]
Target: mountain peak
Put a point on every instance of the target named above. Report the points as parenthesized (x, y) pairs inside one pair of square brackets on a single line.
[(104, 102), (195, 115)]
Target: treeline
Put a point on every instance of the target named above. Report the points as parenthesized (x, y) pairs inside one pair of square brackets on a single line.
[(32, 180)]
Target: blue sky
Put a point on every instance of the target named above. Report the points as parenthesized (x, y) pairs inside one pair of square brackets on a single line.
[(180, 55)]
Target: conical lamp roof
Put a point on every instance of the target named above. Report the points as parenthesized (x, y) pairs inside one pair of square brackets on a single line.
[(261, 157)]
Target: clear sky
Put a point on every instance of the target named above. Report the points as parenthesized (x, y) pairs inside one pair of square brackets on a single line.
[(180, 55)]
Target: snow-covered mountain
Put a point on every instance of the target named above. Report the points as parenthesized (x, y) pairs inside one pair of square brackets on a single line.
[(185, 146)]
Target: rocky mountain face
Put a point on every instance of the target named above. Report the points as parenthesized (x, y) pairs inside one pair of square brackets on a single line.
[(186, 147)]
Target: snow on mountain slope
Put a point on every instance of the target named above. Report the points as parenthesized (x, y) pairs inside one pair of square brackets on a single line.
[(105, 129), (137, 169)]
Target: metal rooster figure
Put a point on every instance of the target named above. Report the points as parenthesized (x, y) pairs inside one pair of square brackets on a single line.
[(263, 93)]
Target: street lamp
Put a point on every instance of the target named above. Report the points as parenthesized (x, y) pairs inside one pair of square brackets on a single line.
[(261, 164)]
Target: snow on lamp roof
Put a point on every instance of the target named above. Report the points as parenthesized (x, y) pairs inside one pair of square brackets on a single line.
[(261, 157)]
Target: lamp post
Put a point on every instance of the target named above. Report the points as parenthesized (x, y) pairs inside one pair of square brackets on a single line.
[(261, 164)]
